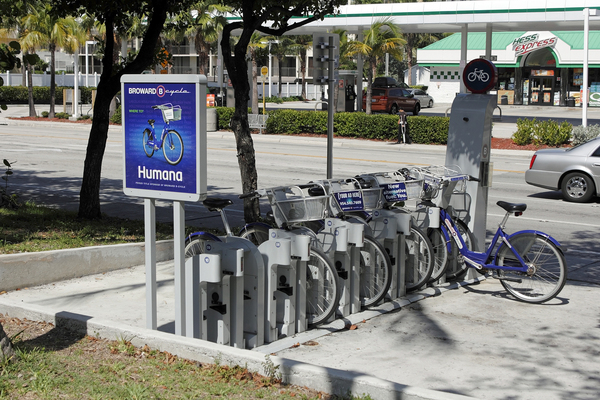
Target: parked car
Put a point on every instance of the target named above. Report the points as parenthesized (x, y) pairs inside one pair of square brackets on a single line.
[(425, 99), (390, 100), (388, 81), (574, 171)]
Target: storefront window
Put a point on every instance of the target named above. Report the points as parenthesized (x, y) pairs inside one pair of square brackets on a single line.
[(541, 58)]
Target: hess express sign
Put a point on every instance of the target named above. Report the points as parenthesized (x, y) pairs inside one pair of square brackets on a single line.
[(527, 44)]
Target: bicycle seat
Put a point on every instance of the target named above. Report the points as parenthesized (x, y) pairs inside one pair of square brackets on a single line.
[(216, 203), (316, 191), (512, 207), (151, 121)]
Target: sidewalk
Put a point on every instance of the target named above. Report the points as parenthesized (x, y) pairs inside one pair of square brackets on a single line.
[(443, 343)]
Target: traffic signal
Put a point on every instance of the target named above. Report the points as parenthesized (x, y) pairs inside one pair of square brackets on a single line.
[(320, 59)]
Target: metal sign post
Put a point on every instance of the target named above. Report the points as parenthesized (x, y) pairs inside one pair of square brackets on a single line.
[(325, 51), (164, 157)]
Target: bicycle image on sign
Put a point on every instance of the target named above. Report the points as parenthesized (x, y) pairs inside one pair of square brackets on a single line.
[(170, 140), (478, 74)]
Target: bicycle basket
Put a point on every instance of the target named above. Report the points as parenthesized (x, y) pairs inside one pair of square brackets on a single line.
[(292, 204), (171, 113)]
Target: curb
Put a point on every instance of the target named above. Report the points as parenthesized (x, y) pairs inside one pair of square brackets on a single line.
[(324, 379), (44, 267)]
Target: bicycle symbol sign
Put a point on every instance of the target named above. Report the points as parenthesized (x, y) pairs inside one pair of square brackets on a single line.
[(480, 75)]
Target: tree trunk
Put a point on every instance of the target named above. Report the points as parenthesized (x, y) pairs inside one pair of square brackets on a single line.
[(279, 70), (303, 73), (109, 86), (409, 61), (238, 73), (254, 81), (32, 112), (89, 196), (370, 74), (52, 80), (6, 349)]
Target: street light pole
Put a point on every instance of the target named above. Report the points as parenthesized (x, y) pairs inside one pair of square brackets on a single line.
[(586, 39)]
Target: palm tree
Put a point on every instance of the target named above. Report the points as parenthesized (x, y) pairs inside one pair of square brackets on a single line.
[(280, 49), (381, 38), (256, 42), (44, 28), (301, 44), (413, 42), (206, 20)]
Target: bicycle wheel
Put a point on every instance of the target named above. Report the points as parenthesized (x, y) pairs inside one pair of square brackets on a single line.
[(440, 253), (419, 259), (375, 272), (547, 272), (196, 243), (148, 148), (256, 233), (457, 270), (173, 147), (322, 292)]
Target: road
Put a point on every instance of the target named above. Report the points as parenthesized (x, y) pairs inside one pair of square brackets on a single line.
[(48, 164), (475, 340)]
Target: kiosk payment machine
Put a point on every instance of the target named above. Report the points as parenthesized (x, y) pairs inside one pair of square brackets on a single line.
[(469, 144)]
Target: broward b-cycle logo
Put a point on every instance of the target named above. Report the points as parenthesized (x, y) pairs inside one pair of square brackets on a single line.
[(160, 91)]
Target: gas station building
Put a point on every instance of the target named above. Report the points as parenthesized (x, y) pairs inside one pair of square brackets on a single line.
[(534, 67)]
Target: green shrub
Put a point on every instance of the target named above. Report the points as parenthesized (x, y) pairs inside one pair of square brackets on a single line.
[(62, 115), (41, 94), (352, 124), (84, 117), (117, 116), (428, 130), (524, 134), (45, 114), (547, 132), (224, 115), (273, 99), (582, 134)]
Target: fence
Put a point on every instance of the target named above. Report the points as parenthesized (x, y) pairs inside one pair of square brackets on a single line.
[(14, 79)]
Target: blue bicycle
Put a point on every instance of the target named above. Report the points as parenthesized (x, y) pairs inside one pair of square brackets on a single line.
[(170, 140), (530, 264)]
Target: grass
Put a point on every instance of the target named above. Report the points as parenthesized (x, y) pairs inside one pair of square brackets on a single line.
[(55, 363), (33, 227), (52, 362)]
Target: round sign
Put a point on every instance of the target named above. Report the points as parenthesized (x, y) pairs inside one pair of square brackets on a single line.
[(264, 71), (480, 75)]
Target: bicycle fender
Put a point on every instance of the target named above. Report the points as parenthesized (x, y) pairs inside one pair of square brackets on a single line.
[(540, 234), (528, 232), (208, 235), (251, 224)]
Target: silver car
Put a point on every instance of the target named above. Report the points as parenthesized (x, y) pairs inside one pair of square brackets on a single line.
[(574, 171), (425, 99)]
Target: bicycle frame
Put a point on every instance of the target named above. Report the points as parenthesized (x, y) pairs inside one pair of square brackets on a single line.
[(479, 260), (158, 143)]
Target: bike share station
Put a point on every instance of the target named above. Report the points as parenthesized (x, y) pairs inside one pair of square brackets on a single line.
[(245, 295)]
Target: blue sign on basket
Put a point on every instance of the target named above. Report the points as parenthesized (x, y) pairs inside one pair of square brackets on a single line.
[(394, 192), (350, 201)]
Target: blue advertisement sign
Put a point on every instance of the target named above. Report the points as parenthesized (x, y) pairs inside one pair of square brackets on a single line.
[(164, 141), (350, 201), (394, 192)]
